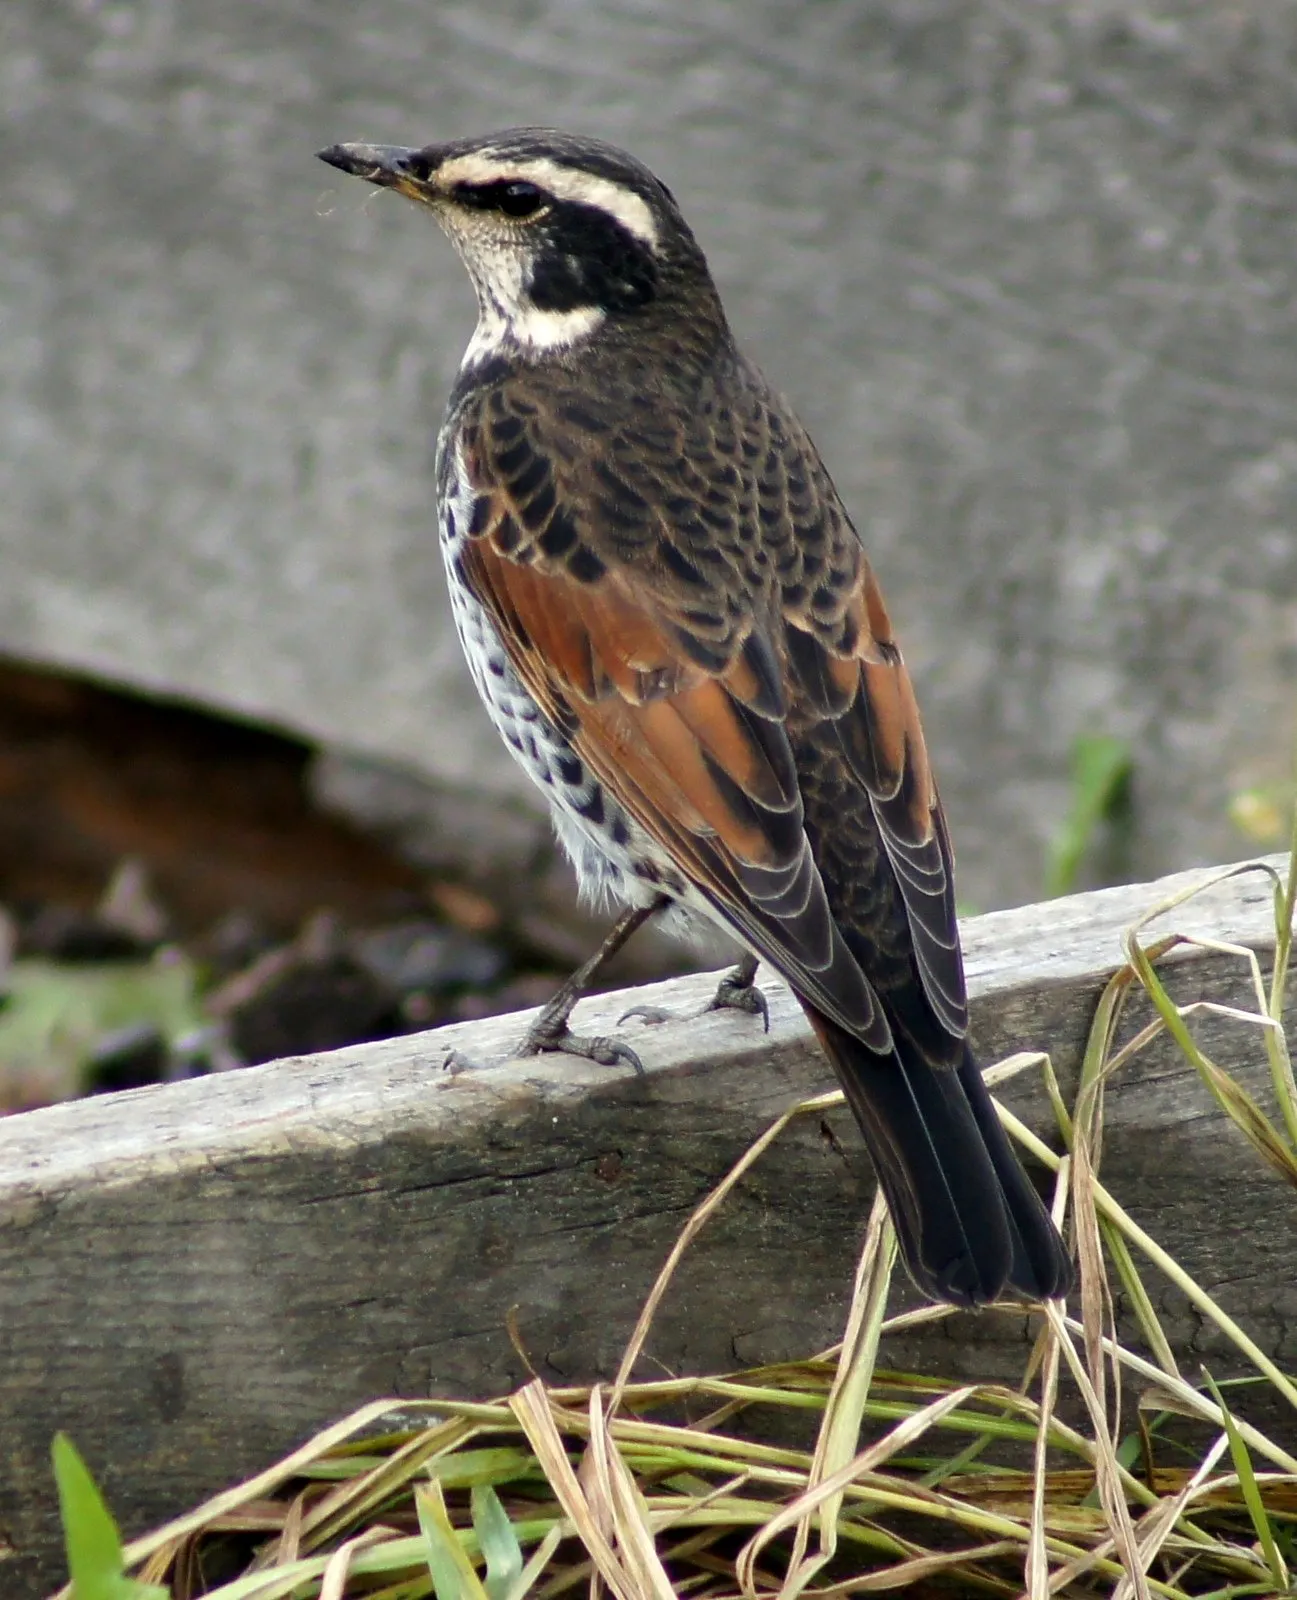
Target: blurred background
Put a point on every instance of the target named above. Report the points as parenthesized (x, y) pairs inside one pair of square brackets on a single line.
[(1025, 269)]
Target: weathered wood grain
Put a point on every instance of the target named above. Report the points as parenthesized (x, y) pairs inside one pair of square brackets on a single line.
[(194, 1277)]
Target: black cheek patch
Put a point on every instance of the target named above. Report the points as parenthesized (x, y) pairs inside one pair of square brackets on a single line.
[(557, 283), (589, 259)]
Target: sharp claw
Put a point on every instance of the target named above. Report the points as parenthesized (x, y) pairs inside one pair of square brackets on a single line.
[(734, 993), (558, 1041), (649, 1014), (613, 1052), (731, 996)]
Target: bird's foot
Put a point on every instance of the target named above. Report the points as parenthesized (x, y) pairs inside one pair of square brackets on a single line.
[(550, 1033), (737, 991)]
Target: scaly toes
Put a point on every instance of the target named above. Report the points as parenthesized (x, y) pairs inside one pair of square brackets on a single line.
[(546, 1038), (737, 992)]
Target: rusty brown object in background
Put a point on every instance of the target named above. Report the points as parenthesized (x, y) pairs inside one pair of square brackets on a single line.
[(216, 810)]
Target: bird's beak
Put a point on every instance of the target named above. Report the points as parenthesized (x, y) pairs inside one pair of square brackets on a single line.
[(390, 166)]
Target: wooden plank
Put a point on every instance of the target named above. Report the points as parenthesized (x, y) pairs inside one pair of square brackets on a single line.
[(194, 1277)]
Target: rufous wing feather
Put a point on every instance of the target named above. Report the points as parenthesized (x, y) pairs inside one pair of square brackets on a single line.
[(695, 756), (858, 683)]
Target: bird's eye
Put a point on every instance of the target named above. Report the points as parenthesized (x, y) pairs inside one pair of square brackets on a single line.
[(512, 196), (519, 199)]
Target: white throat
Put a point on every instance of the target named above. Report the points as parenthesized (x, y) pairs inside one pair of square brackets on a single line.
[(506, 318), (529, 329)]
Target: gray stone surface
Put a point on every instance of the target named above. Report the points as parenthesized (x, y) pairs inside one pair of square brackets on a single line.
[(1026, 270)]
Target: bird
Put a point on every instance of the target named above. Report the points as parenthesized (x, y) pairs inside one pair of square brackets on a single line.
[(672, 622)]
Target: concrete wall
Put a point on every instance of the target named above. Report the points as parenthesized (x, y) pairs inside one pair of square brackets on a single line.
[(1025, 268)]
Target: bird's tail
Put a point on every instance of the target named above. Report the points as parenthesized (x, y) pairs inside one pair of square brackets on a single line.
[(969, 1223)]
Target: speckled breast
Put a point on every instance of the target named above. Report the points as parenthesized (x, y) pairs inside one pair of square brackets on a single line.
[(613, 857)]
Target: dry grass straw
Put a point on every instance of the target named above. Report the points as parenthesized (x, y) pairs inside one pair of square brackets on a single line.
[(645, 1491)]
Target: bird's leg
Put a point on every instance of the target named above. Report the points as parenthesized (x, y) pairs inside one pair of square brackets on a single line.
[(550, 1030), (737, 991)]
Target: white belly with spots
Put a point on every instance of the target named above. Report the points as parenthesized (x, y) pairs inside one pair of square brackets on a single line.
[(613, 857)]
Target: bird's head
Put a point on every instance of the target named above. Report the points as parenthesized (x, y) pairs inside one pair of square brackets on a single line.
[(564, 238)]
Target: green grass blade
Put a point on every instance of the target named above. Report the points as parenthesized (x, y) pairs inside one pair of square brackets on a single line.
[(1101, 768), (1281, 1068), (540, 1559), (453, 1574), (94, 1545), (1251, 1490), (498, 1541), (1229, 1095)]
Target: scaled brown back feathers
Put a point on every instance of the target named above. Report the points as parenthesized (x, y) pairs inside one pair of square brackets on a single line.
[(678, 585)]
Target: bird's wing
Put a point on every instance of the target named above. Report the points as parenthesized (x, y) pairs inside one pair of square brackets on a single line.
[(682, 678), (862, 725)]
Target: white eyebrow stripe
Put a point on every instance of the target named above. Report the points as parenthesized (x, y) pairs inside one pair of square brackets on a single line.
[(564, 183)]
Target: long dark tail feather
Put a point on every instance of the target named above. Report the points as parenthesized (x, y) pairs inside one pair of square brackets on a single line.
[(1041, 1268), (969, 1224)]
